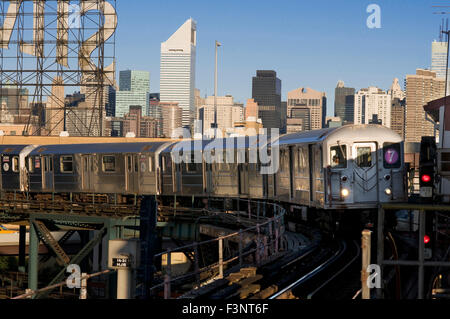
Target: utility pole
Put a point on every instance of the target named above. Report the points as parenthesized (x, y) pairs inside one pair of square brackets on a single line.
[(218, 44)]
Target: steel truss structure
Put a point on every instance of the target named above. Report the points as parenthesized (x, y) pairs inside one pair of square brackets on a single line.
[(50, 48)]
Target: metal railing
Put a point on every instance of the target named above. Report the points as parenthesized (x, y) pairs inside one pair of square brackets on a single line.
[(262, 241), (83, 290)]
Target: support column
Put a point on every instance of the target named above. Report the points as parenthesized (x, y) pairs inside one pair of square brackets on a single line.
[(380, 248), (22, 246), (366, 250), (124, 284), (33, 258), (112, 277), (420, 294)]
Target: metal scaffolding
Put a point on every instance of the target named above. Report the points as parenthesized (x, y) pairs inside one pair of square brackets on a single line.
[(52, 48)]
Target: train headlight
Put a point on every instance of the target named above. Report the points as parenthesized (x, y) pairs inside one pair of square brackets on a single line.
[(345, 192), (388, 191)]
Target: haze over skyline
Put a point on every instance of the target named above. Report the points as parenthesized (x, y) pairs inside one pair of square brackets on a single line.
[(308, 44)]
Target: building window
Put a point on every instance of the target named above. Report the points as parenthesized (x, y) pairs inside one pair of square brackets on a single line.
[(66, 164), (109, 163)]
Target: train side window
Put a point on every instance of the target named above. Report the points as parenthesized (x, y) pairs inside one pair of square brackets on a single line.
[(150, 163), (136, 164), (15, 164), (50, 164), (364, 157), (302, 162), (66, 164), (109, 164), (338, 156), (129, 163)]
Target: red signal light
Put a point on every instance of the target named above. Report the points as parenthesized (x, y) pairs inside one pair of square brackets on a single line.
[(426, 178), (426, 239)]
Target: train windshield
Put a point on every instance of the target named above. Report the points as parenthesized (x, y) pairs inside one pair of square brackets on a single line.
[(364, 157), (339, 156)]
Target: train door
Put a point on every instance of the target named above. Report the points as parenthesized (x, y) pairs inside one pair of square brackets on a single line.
[(177, 177), (243, 175), (166, 174), (365, 168), (292, 165), (131, 173), (47, 173), (88, 171), (317, 174)]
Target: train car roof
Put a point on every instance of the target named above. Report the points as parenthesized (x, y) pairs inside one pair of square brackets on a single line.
[(12, 149), (235, 142), (186, 146), (98, 148), (354, 132)]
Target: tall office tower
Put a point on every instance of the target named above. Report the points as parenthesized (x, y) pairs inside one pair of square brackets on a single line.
[(177, 79), (421, 88), (172, 116), (266, 91), (228, 113), (373, 105), (308, 105), (439, 58), (283, 127), (398, 116), (134, 89), (135, 81), (111, 103), (344, 103)]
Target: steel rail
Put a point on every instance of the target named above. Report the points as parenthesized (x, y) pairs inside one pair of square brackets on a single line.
[(312, 273), (358, 249)]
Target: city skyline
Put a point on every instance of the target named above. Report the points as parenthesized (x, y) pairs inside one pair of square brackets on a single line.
[(310, 56)]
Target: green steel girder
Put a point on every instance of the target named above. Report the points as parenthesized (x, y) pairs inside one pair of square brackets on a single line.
[(185, 232), (77, 259)]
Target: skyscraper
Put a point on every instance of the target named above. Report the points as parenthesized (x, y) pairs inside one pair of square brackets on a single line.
[(177, 78), (134, 88), (439, 59), (421, 88), (344, 103), (266, 91), (135, 81), (372, 105), (310, 106)]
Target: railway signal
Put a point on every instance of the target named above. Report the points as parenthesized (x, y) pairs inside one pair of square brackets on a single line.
[(427, 167)]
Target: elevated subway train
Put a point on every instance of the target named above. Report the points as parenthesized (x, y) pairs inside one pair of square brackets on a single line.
[(335, 169)]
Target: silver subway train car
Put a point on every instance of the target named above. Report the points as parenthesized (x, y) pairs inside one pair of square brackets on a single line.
[(335, 169)]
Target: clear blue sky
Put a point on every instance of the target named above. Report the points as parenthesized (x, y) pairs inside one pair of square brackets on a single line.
[(309, 43)]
